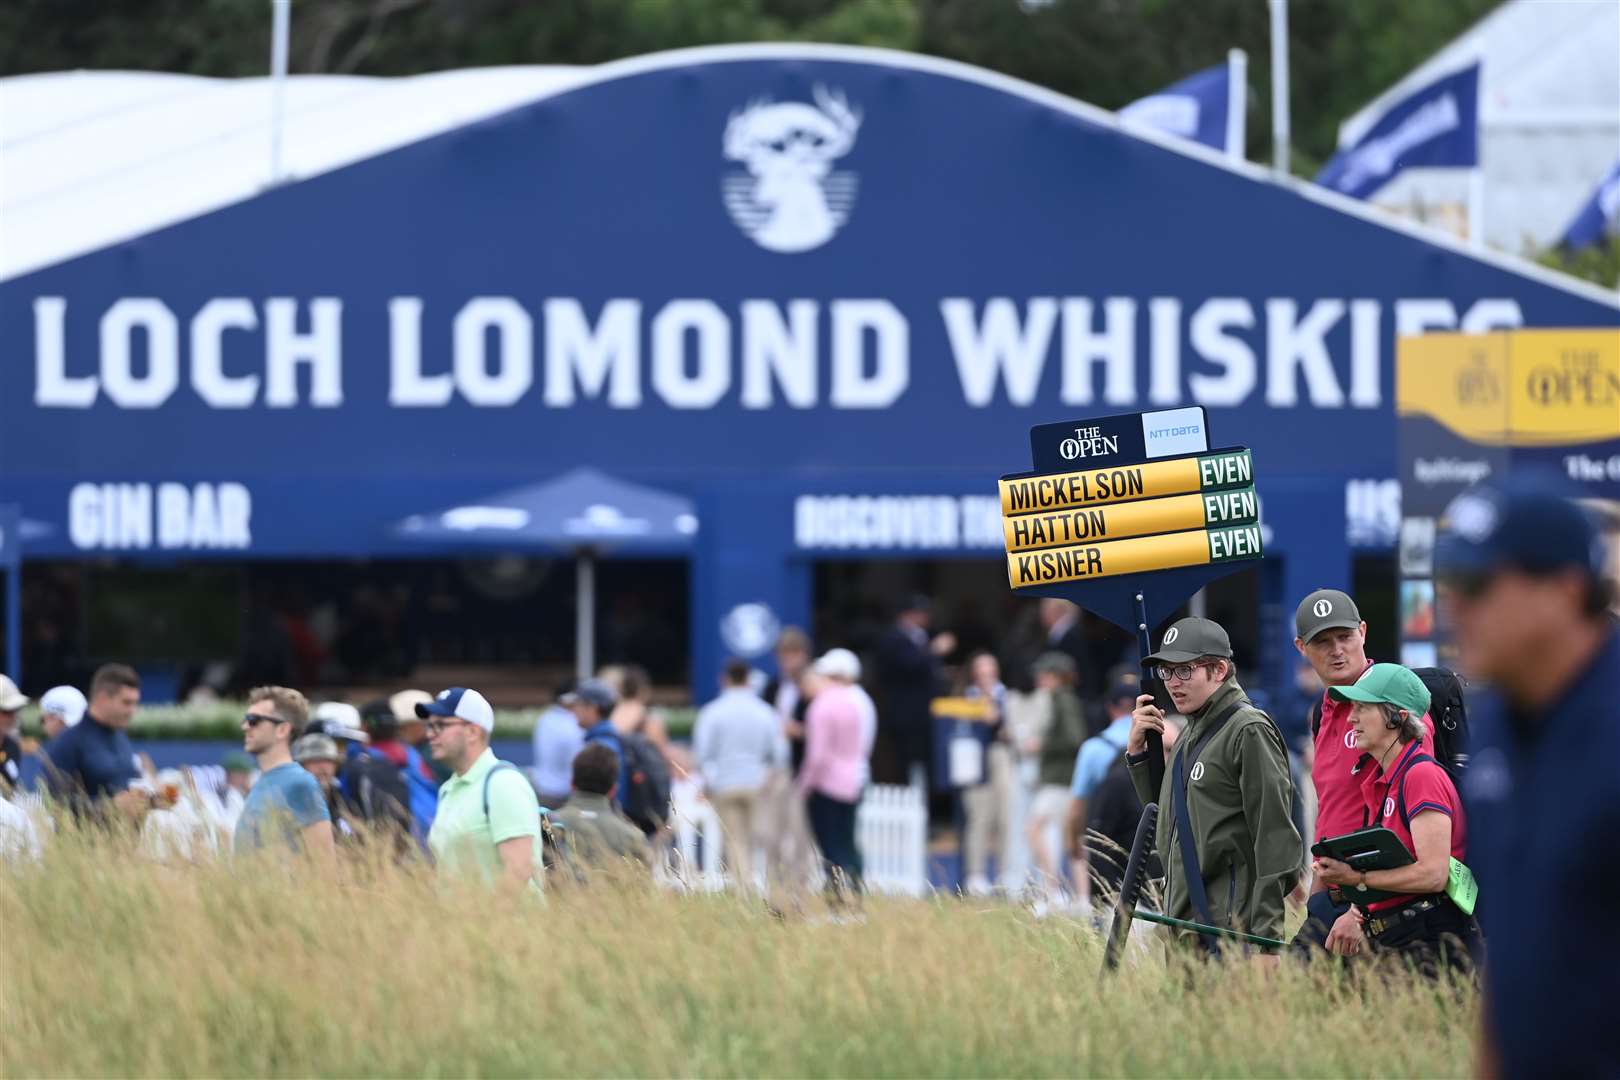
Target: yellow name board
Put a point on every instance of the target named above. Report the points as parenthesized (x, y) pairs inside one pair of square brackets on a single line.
[(1152, 480), (1118, 520), (1135, 556)]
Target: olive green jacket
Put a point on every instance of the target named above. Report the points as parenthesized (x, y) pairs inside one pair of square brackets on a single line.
[(1237, 800)]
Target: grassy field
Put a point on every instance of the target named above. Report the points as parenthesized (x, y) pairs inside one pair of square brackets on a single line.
[(114, 966)]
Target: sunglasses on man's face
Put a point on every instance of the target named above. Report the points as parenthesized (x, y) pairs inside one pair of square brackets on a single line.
[(252, 720)]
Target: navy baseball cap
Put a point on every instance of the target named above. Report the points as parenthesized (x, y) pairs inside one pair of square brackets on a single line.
[(461, 703), (1521, 522), (592, 692)]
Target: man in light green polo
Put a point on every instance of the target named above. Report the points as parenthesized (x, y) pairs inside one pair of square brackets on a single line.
[(488, 822)]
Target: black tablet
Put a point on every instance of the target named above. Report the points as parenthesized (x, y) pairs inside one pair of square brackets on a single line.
[(1365, 849)]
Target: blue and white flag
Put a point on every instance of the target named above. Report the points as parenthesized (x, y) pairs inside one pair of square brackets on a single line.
[(1194, 108), (1600, 217), (1435, 127)]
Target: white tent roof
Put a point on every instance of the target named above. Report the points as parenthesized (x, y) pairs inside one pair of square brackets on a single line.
[(90, 158), (1549, 117)]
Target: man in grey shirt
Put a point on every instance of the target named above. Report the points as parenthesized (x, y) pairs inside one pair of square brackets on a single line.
[(738, 738)]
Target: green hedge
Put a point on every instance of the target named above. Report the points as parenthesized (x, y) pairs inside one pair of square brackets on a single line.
[(223, 721)]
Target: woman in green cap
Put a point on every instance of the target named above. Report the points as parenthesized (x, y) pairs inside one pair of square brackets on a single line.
[(1409, 793)]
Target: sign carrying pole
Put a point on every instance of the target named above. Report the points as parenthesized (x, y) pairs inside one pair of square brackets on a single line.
[(1128, 516), (11, 564)]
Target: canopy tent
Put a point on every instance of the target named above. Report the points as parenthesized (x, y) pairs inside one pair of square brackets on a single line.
[(1549, 120), (584, 511)]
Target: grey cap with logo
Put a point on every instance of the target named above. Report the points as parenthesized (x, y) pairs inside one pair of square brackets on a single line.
[(1189, 639), (1325, 609)]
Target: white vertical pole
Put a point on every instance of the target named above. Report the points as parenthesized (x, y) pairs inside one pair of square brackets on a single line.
[(1476, 207), (1237, 103), (1279, 86), (585, 615), (280, 31)]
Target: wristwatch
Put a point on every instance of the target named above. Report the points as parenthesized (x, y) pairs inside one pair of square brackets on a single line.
[(1361, 886)]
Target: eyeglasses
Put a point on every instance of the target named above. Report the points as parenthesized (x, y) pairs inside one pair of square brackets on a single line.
[(433, 727), (1180, 671), (253, 720)]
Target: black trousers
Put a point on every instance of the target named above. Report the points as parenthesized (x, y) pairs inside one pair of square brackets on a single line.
[(1437, 940), (832, 822)]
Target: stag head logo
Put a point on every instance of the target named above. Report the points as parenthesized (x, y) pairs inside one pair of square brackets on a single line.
[(791, 199)]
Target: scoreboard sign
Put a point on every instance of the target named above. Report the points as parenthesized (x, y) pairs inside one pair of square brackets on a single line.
[(1121, 497)]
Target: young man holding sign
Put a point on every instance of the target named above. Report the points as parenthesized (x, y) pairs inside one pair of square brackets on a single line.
[(1229, 847)]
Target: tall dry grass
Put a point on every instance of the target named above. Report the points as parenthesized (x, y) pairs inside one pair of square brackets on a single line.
[(117, 966)]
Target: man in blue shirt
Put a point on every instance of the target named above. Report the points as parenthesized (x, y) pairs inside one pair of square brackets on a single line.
[(91, 765), (285, 804), (1098, 754), (592, 703), (557, 738), (1522, 570)]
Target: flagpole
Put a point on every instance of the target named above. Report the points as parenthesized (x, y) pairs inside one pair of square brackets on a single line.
[(280, 30), (1279, 86), (1476, 207), (1237, 103)]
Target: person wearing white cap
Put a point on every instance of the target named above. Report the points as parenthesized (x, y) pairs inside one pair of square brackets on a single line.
[(488, 821), (11, 758), (835, 768), (61, 707)]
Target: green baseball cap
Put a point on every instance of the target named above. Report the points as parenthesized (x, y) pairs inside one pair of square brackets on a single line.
[(1325, 609), (1191, 638), (1387, 684)]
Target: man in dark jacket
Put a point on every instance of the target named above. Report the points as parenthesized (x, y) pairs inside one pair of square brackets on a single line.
[(1524, 573), (909, 678), (1228, 844)]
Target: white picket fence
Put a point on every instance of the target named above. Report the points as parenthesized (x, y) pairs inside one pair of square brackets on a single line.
[(891, 829)]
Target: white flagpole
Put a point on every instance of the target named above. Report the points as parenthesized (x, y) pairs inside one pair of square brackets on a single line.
[(1476, 207), (1237, 103), (1279, 86), (281, 29)]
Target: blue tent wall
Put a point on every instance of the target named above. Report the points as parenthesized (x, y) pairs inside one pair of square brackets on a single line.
[(966, 186)]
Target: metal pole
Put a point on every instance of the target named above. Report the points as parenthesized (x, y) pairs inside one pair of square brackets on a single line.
[(1198, 605), (1210, 931), (1279, 86), (1237, 103), (280, 31), (1155, 742), (585, 615), (14, 622)]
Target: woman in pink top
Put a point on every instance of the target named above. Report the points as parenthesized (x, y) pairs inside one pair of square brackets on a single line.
[(834, 768)]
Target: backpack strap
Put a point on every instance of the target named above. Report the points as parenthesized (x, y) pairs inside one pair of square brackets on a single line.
[(1315, 714), (1189, 851), (500, 766), (1400, 791)]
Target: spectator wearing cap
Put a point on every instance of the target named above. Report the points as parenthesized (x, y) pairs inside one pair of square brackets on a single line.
[(1097, 755), (340, 722), (591, 832), (1065, 730), (92, 764), (285, 807), (909, 677), (1522, 574), (61, 707), (413, 733), (557, 740), (592, 703), (1407, 792), (12, 701), (389, 781), (1227, 841), (321, 757), (1332, 637), (834, 772), (737, 740), (488, 822)]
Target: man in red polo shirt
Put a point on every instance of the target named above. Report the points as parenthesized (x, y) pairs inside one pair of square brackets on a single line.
[(1406, 791), (1330, 634)]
